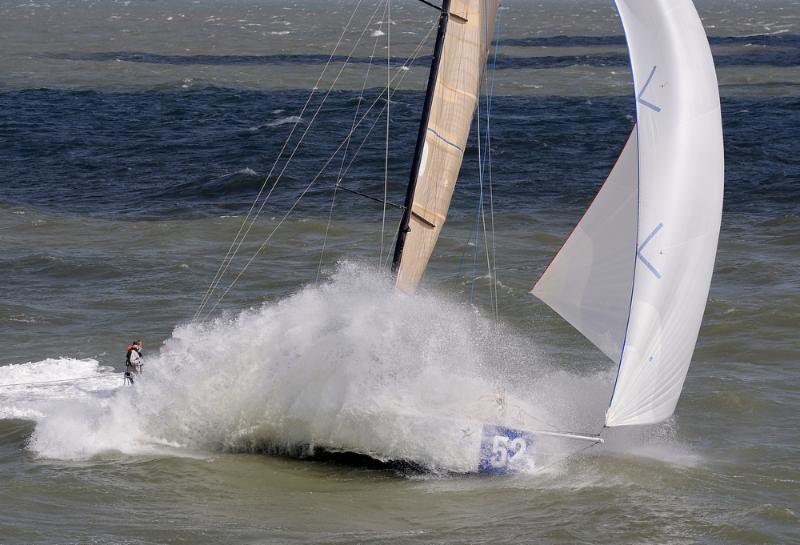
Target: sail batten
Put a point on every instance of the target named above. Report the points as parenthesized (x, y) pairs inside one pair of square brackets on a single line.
[(453, 102)]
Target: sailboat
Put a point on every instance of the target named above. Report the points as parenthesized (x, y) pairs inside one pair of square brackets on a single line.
[(633, 276)]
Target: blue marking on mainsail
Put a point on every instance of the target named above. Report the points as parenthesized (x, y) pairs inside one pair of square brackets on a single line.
[(642, 258), (445, 140), (646, 84)]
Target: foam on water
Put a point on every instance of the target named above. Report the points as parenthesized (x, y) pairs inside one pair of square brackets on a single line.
[(27, 388), (347, 365), (291, 119)]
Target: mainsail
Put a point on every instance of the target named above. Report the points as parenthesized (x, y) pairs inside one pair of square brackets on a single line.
[(453, 96), (634, 275)]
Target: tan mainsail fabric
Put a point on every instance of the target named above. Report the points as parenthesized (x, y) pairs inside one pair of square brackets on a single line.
[(469, 33)]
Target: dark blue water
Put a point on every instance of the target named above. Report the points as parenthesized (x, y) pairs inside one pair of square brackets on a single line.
[(778, 50), (184, 153), (785, 55)]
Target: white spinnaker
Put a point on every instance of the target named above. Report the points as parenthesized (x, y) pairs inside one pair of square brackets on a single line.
[(589, 280), (681, 165), (633, 277)]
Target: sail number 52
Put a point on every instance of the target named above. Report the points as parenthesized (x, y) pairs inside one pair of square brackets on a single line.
[(505, 450)]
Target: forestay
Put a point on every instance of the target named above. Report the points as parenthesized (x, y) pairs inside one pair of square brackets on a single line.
[(676, 219), (466, 43)]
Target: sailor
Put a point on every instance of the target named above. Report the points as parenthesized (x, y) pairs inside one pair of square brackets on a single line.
[(133, 360)]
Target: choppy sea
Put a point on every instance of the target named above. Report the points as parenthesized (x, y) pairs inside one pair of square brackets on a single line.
[(134, 138)]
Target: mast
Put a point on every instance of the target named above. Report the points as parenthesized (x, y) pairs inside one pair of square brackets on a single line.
[(423, 127)]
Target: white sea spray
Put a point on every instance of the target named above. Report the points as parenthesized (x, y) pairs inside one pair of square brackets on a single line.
[(350, 364)]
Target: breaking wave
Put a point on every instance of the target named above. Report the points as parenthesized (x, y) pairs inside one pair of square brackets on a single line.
[(30, 390), (292, 119), (350, 365), (244, 182)]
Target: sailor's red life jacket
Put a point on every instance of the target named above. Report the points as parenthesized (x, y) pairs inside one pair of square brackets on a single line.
[(131, 348)]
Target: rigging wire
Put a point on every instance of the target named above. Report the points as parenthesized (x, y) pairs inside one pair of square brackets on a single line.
[(239, 239), (226, 260), (406, 65), (403, 68), (492, 286), (491, 262), (399, 75), (389, 255), (280, 223), (479, 214), (478, 207), (485, 171), (388, 118), (484, 164), (488, 163), (340, 175), (298, 144)]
